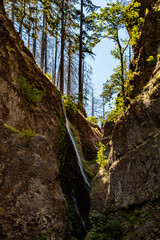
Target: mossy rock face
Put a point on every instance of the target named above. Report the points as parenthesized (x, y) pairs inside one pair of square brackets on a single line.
[(135, 222), (29, 182), (29, 161)]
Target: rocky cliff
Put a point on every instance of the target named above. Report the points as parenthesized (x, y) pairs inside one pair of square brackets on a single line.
[(125, 196), (38, 163), (32, 204)]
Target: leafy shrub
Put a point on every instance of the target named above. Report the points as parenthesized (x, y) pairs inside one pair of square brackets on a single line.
[(101, 158), (117, 111), (69, 103), (103, 228), (93, 119), (48, 75), (29, 91)]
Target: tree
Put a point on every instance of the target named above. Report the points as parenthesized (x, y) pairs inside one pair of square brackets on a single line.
[(62, 49), (89, 7), (109, 23)]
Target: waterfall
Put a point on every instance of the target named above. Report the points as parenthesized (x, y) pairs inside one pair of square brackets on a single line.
[(79, 161), (76, 207)]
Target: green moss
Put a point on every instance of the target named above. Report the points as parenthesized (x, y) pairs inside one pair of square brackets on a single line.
[(24, 132), (29, 91), (103, 228), (70, 105)]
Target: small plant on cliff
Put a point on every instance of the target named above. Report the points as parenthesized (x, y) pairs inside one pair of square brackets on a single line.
[(23, 132), (103, 228), (93, 119), (101, 158), (151, 60), (29, 91), (69, 103)]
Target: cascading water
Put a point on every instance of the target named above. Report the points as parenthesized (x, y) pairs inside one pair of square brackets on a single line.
[(79, 161), (76, 206), (79, 189)]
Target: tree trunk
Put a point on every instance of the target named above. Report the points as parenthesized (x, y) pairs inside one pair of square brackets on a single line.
[(29, 29), (13, 7), (53, 53), (35, 39), (23, 5), (80, 92), (45, 48), (42, 44), (55, 63), (62, 50), (92, 112), (69, 68)]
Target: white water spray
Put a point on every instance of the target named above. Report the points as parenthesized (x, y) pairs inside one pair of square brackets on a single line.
[(75, 148), (76, 207)]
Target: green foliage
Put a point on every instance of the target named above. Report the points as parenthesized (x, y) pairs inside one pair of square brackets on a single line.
[(29, 91), (70, 105), (151, 60), (93, 119), (102, 119), (133, 21), (101, 158), (117, 111), (113, 85), (23, 132), (103, 228), (48, 75)]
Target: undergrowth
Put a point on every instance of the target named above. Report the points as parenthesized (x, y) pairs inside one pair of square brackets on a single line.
[(29, 91)]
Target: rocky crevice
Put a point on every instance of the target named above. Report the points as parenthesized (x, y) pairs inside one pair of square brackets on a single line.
[(126, 192)]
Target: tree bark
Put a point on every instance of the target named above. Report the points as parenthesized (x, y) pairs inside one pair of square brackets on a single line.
[(29, 29), (13, 7), (62, 50), (45, 48), (80, 92), (35, 39), (69, 68), (23, 5), (2, 6), (55, 63), (42, 44)]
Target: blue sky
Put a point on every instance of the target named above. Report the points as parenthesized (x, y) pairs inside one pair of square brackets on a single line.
[(104, 62)]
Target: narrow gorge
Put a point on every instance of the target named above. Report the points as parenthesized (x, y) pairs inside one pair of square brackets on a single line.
[(51, 187)]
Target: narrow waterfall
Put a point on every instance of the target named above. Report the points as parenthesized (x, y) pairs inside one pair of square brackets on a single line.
[(79, 161), (73, 195)]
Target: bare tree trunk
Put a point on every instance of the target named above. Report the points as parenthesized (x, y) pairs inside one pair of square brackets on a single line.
[(55, 62), (13, 7), (58, 77), (29, 26), (42, 44), (80, 92), (23, 5), (62, 51), (69, 68), (1, 4), (53, 53), (35, 39), (45, 48), (92, 112)]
